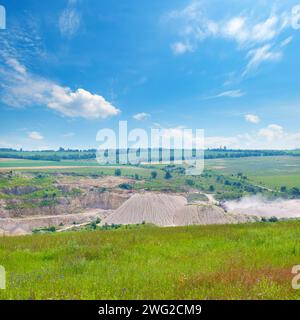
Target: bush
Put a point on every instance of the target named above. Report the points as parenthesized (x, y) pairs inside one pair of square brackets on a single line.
[(153, 174), (168, 175), (118, 172), (295, 192), (211, 188), (190, 182), (283, 189), (126, 186)]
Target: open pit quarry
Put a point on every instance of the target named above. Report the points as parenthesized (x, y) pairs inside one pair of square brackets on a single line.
[(119, 207), (102, 199)]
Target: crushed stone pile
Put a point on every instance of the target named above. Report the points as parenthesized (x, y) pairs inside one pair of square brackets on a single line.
[(153, 208), (208, 214)]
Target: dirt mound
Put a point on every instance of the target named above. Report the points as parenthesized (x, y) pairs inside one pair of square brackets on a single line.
[(153, 208), (208, 214)]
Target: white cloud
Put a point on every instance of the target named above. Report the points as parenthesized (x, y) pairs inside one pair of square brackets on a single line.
[(68, 135), (231, 94), (259, 55), (272, 132), (235, 29), (181, 48), (286, 41), (250, 31), (69, 22), (16, 65), (22, 89), (141, 116), (270, 138), (80, 103), (34, 135), (252, 118)]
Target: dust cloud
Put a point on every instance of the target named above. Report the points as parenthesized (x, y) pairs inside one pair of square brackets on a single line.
[(260, 206)]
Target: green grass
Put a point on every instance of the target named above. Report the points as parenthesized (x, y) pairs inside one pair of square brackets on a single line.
[(16, 163), (277, 181), (273, 172), (200, 262)]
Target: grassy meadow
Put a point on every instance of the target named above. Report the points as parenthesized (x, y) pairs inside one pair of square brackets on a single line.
[(273, 172), (145, 262)]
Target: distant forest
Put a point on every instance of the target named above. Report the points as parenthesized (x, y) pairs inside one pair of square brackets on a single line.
[(90, 154)]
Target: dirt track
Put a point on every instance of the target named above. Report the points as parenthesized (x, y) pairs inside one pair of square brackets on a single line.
[(22, 226)]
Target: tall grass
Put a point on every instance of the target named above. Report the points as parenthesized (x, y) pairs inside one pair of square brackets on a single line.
[(200, 262)]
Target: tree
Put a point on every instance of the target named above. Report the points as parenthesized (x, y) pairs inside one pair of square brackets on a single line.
[(153, 174), (295, 191), (118, 172), (190, 182), (211, 188), (283, 189), (126, 186), (168, 175)]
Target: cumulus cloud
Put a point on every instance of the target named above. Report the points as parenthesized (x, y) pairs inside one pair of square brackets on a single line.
[(22, 89), (80, 103), (141, 116), (271, 137), (252, 118), (34, 135), (272, 132)]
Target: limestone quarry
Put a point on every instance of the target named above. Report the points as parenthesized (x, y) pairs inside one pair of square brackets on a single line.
[(117, 206)]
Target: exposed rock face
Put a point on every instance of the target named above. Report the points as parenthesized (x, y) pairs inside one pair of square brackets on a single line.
[(208, 214), (64, 205), (153, 208)]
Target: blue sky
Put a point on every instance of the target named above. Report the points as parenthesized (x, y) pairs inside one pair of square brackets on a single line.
[(70, 68)]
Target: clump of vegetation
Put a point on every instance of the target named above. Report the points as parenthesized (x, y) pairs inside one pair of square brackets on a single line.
[(44, 230), (153, 174), (190, 182), (196, 197), (126, 186), (168, 175), (272, 219), (118, 172)]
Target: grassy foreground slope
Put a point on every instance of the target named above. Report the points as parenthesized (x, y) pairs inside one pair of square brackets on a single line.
[(200, 262)]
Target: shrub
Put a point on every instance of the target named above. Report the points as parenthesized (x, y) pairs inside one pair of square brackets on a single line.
[(211, 188), (153, 174), (190, 182), (126, 186), (283, 189), (168, 175), (118, 172)]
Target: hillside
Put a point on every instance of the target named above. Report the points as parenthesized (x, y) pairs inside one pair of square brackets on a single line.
[(252, 261)]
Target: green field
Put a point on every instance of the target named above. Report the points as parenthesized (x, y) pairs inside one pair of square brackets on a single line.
[(17, 163), (200, 262), (270, 171), (227, 178)]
